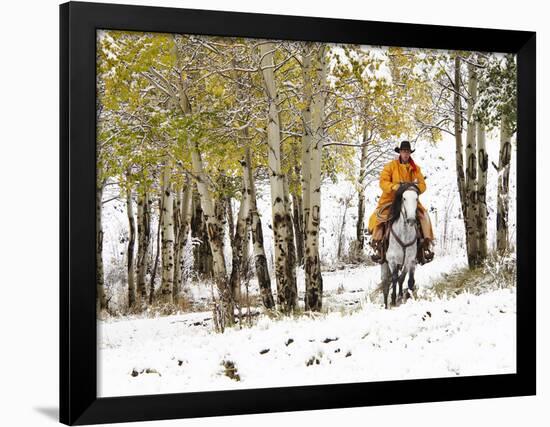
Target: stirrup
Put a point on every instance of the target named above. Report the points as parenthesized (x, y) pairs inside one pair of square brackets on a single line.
[(425, 256), (428, 255), (377, 255)]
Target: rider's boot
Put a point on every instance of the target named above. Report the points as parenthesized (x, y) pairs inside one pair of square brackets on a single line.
[(377, 247), (426, 250), (377, 243)]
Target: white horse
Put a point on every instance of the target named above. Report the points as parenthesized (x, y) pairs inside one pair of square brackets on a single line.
[(402, 246)]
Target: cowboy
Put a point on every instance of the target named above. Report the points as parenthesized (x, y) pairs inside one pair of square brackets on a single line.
[(402, 169)]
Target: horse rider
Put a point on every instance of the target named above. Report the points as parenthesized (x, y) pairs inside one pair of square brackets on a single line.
[(401, 169)]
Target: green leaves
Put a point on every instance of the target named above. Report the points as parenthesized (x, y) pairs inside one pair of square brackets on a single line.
[(498, 92), (159, 93)]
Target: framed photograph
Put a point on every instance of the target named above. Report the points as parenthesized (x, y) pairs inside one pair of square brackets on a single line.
[(266, 213)]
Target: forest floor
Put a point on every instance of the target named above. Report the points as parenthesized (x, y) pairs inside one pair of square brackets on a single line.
[(460, 323)]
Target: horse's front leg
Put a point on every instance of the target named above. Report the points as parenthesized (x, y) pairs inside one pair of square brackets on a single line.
[(410, 283), (400, 280), (386, 277), (394, 279), (386, 290), (400, 294)]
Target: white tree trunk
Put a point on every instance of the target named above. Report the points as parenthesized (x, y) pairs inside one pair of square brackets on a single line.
[(503, 186), (238, 242), (245, 259), (291, 265), (182, 220), (144, 236), (459, 151), (167, 232), (215, 237), (482, 164), (297, 221), (286, 294), (313, 278), (360, 229), (255, 226), (307, 130), (471, 172), (130, 252), (101, 298), (158, 251)]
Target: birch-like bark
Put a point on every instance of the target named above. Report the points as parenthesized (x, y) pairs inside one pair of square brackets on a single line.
[(130, 252), (482, 164), (101, 298), (144, 236), (306, 136), (214, 225), (182, 221), (297, 221), (471, 172), (505, 152), (286, 293), (360, 229), (297, 207), (291, 266), (313, 278), (245, 259), (228, 210), (459, 156), (255, 226), (157, 253), (237, 244), (177, 200), (167, 233), (243, 83)]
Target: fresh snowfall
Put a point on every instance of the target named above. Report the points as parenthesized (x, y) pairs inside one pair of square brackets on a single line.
[(457, 323)]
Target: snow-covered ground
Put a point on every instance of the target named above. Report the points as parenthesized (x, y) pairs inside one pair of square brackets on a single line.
[(358, 340)]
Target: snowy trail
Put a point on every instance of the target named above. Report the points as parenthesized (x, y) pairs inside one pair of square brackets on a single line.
[(464, 335)]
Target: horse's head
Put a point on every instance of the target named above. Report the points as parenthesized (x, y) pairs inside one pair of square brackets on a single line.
[(405, 203), (409, 204)]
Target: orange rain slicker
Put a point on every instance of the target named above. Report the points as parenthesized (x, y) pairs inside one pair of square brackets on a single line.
[(393, 173)]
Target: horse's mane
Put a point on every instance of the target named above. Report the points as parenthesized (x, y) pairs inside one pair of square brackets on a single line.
[(395, 209)]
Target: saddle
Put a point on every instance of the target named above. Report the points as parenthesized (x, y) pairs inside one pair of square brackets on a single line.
[(424, 254)]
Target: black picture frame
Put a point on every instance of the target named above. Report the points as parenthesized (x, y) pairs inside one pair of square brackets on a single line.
[(78, 345)]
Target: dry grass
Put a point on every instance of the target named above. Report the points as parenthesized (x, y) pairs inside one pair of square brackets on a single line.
[(230, 370), (497, 272)]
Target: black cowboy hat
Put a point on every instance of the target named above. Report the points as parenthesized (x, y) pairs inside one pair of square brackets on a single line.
[(405, 145)]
